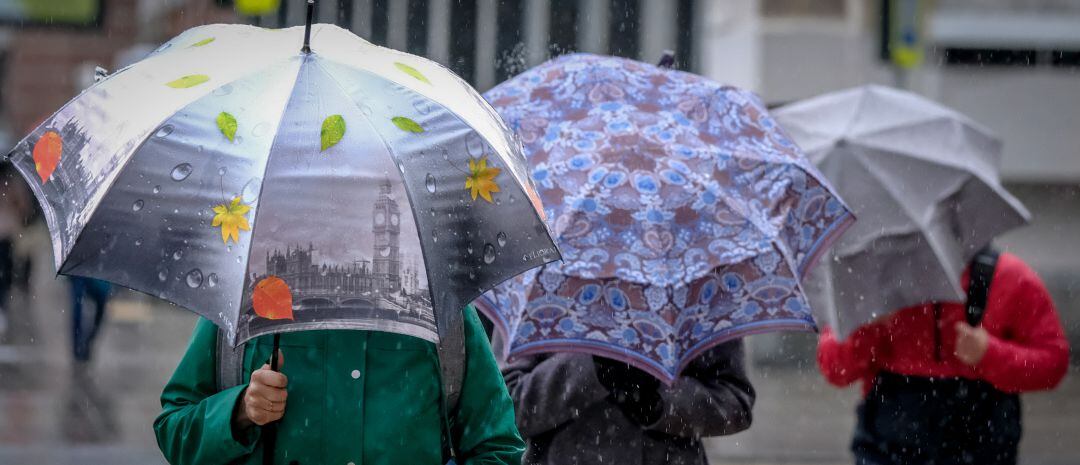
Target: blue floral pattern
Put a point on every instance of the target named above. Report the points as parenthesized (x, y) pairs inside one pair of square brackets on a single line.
[(684, 214)]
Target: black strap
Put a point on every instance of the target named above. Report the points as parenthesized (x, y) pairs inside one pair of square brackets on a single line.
[(982, 274)]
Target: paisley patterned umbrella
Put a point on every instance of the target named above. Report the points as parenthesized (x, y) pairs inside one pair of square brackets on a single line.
[(685, 216), (272, 189)]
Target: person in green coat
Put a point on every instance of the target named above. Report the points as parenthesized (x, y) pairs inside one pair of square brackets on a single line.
[(343, 397)]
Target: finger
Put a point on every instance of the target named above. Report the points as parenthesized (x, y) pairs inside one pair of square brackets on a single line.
[(963, 329), (257, 416), (271, 406), (272, 394), (270, 378)]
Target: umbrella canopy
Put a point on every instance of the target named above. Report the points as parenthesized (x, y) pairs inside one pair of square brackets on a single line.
[(271, 190), (685, 215), (923, 181)]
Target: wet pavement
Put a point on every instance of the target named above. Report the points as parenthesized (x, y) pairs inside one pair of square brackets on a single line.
[(55, 412)]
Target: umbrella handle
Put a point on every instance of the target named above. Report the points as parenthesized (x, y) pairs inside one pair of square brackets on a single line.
[(307, 26), (667, 59), (270, 430)]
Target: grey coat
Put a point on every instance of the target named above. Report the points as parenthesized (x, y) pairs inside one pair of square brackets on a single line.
[(565, 416)]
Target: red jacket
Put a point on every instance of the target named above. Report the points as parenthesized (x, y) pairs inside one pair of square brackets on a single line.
[(1027, 351)]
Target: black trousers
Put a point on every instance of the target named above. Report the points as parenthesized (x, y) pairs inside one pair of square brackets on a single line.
[(910, 420)]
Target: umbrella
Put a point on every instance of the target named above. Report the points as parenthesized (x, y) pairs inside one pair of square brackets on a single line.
[(923, 180), (270, 189), (684, 214)]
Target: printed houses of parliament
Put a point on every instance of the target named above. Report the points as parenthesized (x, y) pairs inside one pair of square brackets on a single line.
[(382, 282)]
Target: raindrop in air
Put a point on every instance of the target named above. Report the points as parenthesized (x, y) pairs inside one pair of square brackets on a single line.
[(221, 171), (469, 249), (430, 183), (432, 212), (181, 172), (178, 255), (194, 278), (401, 167), (163, 275), (157, 189), (138, 242), (434, 235), (211, 280), (137, 205), (239, 259), (164, 131), (489, 253)]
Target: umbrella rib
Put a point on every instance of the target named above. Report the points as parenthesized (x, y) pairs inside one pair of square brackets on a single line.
[(266, 168), (930, 239), (390, 152)]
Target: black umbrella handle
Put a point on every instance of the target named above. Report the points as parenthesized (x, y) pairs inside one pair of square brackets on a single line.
[(270, 430), (667, 59), (307, 26)]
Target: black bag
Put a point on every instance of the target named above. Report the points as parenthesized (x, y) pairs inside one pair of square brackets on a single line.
[(913, 420)]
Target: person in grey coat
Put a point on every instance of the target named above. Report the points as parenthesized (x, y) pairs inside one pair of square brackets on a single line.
[(576, 409)]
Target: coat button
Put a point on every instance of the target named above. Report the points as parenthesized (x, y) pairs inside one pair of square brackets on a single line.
[(355, 375)]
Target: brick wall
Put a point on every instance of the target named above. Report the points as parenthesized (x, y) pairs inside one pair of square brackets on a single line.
[(42, 62)]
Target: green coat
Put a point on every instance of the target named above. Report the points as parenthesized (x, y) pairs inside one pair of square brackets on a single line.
[(355, 397)]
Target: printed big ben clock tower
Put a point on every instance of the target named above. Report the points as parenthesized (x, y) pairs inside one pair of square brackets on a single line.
[(386, 261)]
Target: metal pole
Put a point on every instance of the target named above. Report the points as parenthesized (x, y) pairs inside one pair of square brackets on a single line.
[(307, 27)]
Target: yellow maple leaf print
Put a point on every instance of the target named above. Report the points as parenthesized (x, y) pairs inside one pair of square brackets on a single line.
[(231, 218), (481, 179)]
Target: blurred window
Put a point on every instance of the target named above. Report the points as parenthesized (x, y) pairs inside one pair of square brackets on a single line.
[(509, 47), (624, 28), (685, 58), (803, 8), (418, 38), (990, 57), (380, 16), (563, 28), (463, 38)]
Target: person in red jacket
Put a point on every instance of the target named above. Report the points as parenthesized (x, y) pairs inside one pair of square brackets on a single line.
[(938, 390)]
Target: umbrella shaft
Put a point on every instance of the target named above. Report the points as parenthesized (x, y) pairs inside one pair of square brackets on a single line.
[(270, 430), (307, 26)]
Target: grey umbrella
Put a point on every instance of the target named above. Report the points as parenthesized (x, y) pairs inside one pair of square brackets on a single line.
[(923, 181)]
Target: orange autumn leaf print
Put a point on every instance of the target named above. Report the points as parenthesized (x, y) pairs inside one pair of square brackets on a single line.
[(231, 218), (272, 299), (47, 153), (481, 179)]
